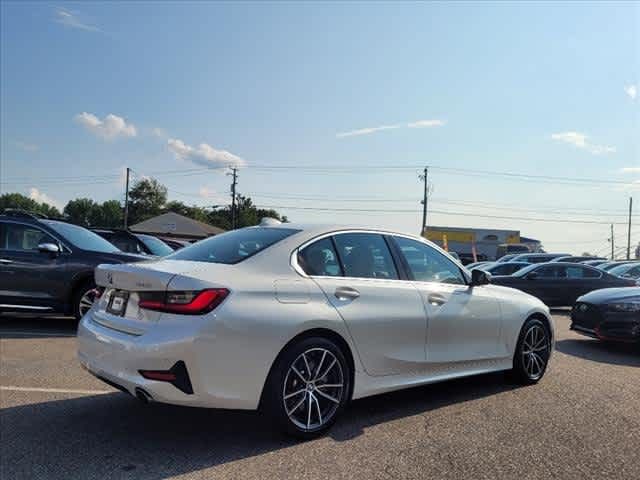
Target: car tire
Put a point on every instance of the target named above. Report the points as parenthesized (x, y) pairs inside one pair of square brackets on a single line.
[(533, 350), (308, 387), (84, 292)]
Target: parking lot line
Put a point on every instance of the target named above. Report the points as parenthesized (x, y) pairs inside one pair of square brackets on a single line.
[(13, 388)]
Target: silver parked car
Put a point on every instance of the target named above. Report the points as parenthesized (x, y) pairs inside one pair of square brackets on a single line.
[(298, 320)]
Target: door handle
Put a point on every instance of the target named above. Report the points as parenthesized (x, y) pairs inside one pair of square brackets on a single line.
[(346, 293), (5, 261), (436, 300)]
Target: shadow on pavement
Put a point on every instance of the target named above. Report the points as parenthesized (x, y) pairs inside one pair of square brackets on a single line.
[(603, 352), (41, 326), (108, 435)]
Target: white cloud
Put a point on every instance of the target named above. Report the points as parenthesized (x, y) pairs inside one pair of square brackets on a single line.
[(630, 170), (367, 131), (73, 20), (580, 140), (27, 147), (204, 155), (370, 130), (631, 91), (110, 128), (159, 132), (212, 195), (426, 123), (38, 196)]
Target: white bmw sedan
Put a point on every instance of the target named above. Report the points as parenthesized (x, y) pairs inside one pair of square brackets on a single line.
[(298, 320)]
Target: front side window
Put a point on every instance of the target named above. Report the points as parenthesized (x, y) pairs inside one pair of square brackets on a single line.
[(551, 271), (365, 255), (18, 237), (233, 247), (427, 264), (320, 259)]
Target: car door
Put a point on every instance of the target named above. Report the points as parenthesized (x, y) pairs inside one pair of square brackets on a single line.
[(383, 313), (463, 322), (29, 277), (547, 282)]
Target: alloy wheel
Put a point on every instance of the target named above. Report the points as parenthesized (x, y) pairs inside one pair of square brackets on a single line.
[(86, 301), (313, 389), (535, 351)]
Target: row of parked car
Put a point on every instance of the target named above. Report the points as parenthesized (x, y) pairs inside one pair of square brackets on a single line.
[(47, 266), (604, 306)]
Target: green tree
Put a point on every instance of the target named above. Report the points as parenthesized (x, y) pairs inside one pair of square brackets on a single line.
[(22, 202), (81, 211), (109, 214), (247, 214), (146, 199)]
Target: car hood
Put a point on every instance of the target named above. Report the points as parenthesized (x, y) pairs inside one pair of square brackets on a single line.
[(607, 295)]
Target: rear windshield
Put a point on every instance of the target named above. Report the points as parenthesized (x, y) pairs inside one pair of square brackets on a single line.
[(234, 246)]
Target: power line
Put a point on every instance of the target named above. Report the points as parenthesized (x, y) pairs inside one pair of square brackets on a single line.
[(469, 214), (342, 169)]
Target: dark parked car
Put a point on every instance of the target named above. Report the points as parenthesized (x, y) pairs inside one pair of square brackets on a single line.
[(627, 270), (609, 314), (175, 243), (606, 266), (507, 258), (506, 268), (576, 259), (560, 284), (134, 242), (594, 263), (537, 257), (47, 265), (467, 258)]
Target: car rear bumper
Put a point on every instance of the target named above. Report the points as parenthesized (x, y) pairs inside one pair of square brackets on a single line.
[(118, 358)]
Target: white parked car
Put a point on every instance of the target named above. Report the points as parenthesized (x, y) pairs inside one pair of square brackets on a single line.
[(298, 320)]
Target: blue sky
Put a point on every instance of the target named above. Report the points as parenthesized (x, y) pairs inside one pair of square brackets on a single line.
[(165, 88)]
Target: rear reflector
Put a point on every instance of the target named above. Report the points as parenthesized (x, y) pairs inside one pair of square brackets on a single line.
[(186, 303), (178, 376)]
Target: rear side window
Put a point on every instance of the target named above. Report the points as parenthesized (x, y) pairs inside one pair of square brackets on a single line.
[(320, 259), (365, 255), (551, 271), (233, 247)]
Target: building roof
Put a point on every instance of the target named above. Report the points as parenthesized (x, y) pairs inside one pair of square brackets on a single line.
[(176, 225)]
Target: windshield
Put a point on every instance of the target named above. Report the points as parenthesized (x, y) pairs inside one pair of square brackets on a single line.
[(525, 270), (233, 247), (82, 238), (622, 269), (155, 245)]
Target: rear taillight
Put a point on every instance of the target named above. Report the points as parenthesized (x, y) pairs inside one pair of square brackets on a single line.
[(186, 303)]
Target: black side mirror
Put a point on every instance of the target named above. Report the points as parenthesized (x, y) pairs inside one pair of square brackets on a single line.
[(480, 277), (532, 275)]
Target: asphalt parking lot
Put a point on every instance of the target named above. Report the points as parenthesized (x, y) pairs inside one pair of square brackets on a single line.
[(581, 421)]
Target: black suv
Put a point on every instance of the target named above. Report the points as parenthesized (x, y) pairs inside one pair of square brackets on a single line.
[(47, 265)]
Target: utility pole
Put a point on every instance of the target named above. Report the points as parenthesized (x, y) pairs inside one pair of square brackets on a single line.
[(234, 174), (629, 231), (612, 245), (425, 178), (126, 200)]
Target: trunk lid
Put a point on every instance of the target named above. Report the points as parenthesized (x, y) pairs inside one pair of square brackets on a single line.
[(126, 281)]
